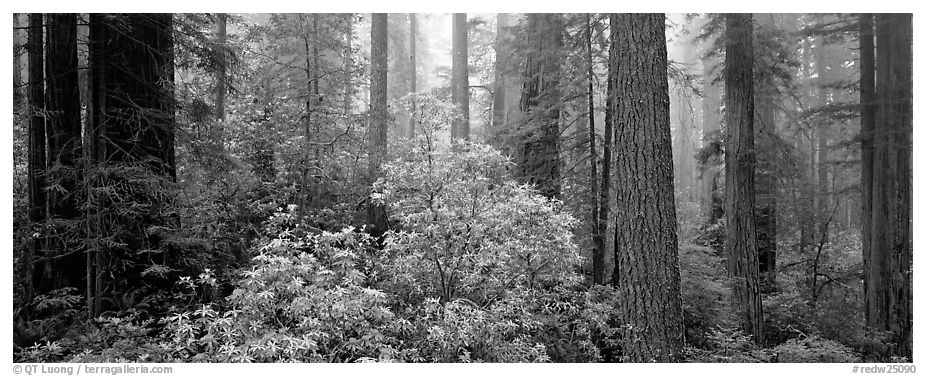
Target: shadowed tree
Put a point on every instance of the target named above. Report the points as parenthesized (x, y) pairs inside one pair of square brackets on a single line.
[(740, 161), (376, 141)]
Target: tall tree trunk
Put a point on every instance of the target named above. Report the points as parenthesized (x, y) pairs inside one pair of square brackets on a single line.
[(376, 143), (604, 199), (499, 105), (597, 236), (740, 200), (869, 110), (822, 134), (62, 105), (412, 71), (348, 63), (37, 163), (766, 182), (710, 124), (132, 119), (460, 77), (645, 225), (538, 158), (888, 288)]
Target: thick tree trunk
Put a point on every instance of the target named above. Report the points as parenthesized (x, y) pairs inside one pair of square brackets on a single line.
[(740, 202), (645, 225), (376, 143), (412, 70), (62, 104), (131, 121), (460, 77), (869, 107), (538, 158), (888, 273), (37, 165), (604, 193)]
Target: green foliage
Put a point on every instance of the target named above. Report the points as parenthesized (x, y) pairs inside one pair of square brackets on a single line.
[(705, 293)]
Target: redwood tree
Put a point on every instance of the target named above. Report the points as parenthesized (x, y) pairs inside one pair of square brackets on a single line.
[(376, 141), (645, 241), (740, 198)]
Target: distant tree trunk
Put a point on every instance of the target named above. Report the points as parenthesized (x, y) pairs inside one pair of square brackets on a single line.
[(710, 124), (888, 294), (62, 105), (597, 237), (766, 182), (17, 64), (499, 109), (348, 63), (221, 68), (460, 77), (741, 251), (869, 112), (604, 199), (132, 116), (538, 161), (822, 208), (645, 225), (412, 70), (37, 164), (376, 143)]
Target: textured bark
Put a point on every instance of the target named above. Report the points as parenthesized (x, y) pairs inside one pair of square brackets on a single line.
[(604, 193), (766, 182), (538, 158), (645, 225), (868, 108), (740, 199), (888, 294), (460, 77), (597, 236), (412, 69), (376, 142)]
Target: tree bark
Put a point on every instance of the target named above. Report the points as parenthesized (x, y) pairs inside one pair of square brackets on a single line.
[(645, 225), (460, 77), (538, 158), (740, 200), (888, 294), (376, 143), (868, 109), (37, 163)]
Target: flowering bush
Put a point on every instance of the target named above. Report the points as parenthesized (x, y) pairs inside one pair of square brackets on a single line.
[(466, 230)]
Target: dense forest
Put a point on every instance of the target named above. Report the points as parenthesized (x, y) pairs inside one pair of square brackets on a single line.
[(462, 187)]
